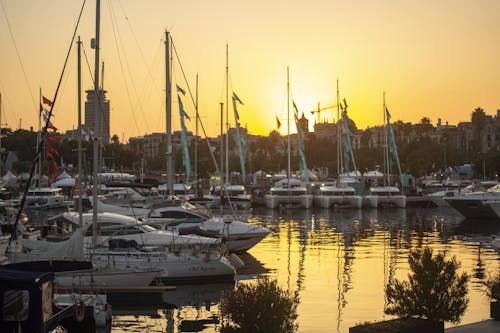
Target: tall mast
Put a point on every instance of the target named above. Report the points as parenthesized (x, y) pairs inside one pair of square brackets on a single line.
[(96, 123), (79, 93), (288, 120), (227, 114), (168, 106), (339, 135), (196, 143), (221, 144), (38, 139), (0, 134), (387, 176)]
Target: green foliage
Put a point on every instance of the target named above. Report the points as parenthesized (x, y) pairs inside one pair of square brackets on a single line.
[(259, 307), (493, 287), (434, 291)]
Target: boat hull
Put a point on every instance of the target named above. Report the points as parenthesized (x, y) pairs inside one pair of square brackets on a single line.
[(301, 201), (338, 201)]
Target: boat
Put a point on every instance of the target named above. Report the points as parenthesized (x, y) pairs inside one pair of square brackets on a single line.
[(111, 225), (289, 192), (478, 204), (337, 196), (386, 195), (29, 305), (187, 219), (234, 196), (45, 197)]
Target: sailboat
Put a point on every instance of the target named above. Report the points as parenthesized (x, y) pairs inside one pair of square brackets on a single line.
[(387, 194), (341, 194), (291, 192), (227, 194)]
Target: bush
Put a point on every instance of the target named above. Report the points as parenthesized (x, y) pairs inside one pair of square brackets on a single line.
[(259, 307), (434, 291), (493, 287)]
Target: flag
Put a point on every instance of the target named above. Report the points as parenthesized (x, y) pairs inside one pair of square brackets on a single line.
[(236, 98), (388, 114), (47, 101), (278, 123), (52, 138), (47, 112), (182, 91), (41, 109), (50, 151), (49, 125)]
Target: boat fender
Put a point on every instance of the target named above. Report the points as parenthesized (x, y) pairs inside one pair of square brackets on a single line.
[(236, 261), (79, 311)]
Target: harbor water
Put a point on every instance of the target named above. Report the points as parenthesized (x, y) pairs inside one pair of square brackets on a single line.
[(337, 261)]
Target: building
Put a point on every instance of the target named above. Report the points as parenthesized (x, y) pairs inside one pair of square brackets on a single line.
[(91, 112)]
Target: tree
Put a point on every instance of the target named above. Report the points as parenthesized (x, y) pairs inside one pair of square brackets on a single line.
[(434, 291), (259, 307)]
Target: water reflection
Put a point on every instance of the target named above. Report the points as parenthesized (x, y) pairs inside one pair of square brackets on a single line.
[(338, 263)]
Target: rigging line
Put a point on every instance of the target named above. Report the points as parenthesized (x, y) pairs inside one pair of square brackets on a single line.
[(217, 168), (88, 64), (44, 130), (113, 26), (150, 74), (19, 56)]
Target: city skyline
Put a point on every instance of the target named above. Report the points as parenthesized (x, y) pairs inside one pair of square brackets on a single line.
[(433, 60)]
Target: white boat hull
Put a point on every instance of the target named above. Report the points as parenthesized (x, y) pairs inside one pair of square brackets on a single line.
[(374, 201), (101, 278), (340, 201), (302, 201)]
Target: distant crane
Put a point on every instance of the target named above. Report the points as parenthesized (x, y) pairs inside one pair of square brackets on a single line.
[(320, 109)]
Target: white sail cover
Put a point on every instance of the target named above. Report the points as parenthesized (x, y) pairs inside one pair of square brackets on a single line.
[(71, 248), (9, 177)]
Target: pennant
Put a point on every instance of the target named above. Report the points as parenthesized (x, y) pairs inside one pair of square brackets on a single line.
[(237, 99), (47, 113), (278, 123), (52, 127), (47, 101), (182, 91)]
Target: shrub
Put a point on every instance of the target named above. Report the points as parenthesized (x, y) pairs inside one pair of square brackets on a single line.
[(259, 307), (493, 287), (434, 289)]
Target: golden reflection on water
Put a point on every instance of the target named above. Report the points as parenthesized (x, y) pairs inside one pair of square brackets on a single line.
[(339, 263)]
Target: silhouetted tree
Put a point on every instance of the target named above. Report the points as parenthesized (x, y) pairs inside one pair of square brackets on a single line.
[(434, 289)]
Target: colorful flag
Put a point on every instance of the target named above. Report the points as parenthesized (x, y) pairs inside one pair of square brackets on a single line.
[(52, 138), (47, 101), (49, 125)]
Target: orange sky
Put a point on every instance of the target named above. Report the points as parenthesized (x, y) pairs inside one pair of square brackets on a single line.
[(433, 58)]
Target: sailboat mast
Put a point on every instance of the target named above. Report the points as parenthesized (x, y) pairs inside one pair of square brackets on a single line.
[(221, 144), (339, 135), (227, 114), (387, 176), (79, 93), (168, 106), (196, 143), (0, 134), (288, 121), (96, 124)]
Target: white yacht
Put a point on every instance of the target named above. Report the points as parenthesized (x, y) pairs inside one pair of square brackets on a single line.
[(295, 194), (45, 197), (187, 219), (477, 205), (338, 195), (234, 195), (379, 196), (111, 225)]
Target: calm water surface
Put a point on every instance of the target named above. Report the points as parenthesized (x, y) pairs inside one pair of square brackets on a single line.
[(337, 261)]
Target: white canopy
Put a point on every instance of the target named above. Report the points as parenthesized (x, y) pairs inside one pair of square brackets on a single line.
[(63, 175), (9, 177)]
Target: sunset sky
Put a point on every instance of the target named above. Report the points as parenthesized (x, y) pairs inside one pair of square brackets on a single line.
[(436, 59)]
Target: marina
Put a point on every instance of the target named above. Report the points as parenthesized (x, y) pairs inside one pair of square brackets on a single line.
[(339, 262)]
